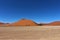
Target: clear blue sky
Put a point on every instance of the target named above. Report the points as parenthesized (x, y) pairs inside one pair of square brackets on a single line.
[(36, 10)]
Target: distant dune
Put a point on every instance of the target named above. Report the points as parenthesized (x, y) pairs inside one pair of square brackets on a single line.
[(56, 23), (4, 24), (1, 23)]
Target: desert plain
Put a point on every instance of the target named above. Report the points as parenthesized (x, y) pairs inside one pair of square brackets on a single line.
[(30, 33)]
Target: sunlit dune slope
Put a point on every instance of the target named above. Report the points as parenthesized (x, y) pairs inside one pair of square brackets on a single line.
[(24, 22)]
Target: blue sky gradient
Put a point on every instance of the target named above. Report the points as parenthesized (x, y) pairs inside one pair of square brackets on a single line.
[(36, 10)]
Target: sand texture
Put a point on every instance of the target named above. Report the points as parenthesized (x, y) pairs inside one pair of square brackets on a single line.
[(30, 33)]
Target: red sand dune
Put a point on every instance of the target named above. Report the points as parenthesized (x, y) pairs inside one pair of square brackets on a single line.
[(24, 22), (2, 24), (56, 23)]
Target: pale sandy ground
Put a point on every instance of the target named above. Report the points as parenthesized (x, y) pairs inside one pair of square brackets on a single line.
[(30, 33)]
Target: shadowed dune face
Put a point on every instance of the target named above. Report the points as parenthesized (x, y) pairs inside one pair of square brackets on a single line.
[(24, 22)]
